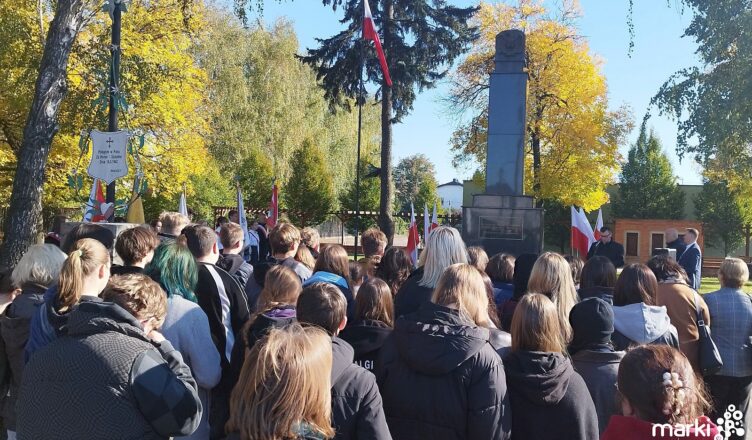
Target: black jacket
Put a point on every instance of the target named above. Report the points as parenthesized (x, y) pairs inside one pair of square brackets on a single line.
[(357, 411), (442, 380), (14, 325), (598, 369), (106, 380), (604, 293), (549, 399), (366, 338), (679, 245), (125, 270), (612, 250), (236, 266), (411, 295)]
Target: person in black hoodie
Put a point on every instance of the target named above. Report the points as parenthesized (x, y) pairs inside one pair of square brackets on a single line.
[(439, 374), (231, 237), (598, 279), (593, 356), (523, 267), (357, 412), (549, 399), (221, 297), (374, 313)]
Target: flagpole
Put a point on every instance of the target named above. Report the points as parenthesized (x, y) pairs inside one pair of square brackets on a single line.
[(360, 127), (112, 120)]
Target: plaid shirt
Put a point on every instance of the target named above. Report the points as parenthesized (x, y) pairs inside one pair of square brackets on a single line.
[(731, 325)]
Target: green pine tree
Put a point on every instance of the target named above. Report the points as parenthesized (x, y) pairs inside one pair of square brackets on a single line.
[(309, 194), (648, 187), (369, 200)]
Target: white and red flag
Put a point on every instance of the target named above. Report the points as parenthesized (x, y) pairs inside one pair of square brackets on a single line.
[(273, 217), (598, 225), (369, 33), (413, 237), (582, 234), (434, 218), (426, 224)]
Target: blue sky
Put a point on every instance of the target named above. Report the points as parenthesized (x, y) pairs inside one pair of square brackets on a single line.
[(659, 51)]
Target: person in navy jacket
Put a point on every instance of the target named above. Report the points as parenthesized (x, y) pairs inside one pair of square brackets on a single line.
[(691, 258)]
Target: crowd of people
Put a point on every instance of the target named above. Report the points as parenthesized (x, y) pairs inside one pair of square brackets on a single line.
[(267, 334)]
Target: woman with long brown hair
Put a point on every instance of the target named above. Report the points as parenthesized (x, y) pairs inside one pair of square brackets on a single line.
[(542, 384), (394, 268), (284, 388), (374, 319), (333, 267)]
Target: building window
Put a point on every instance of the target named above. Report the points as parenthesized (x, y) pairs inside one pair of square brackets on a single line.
[(656, 241), (633, 240)]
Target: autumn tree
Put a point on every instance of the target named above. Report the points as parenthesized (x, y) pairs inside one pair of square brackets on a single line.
[(369, 196), (256, 177), (572, 137), (717, 206), (309, 195), (648, 187), (421, 38), (415, 182)]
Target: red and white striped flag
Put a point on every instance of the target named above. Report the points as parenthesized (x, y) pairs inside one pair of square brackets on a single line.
[(426, 224), (582, 235), (598, 225), (413, 238), (434, 218), (369, 33)]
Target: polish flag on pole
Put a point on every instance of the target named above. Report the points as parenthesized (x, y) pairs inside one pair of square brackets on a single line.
[(369, 33), (93, 206), (273, 217), (598, 225), (426, 224), (582, 234), (434, 219), (413, 238)]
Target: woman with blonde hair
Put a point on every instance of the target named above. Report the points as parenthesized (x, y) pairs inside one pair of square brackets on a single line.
[(444, 248), (541, 380), (85, 273), (440, 376), (552, 277), (284, 388)]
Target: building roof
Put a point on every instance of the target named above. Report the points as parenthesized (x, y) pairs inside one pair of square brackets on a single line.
[(454, 182)]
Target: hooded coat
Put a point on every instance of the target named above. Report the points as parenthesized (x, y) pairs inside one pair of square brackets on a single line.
[(442, 380), (357, 411), (637, 324), (366, 338), (341, 283), (411, 295), (549, 399), (236, 266)]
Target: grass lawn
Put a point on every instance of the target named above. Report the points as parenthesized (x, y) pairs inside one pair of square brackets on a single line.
[(711, 284)]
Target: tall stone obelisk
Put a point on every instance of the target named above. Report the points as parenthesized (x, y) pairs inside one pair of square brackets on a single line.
[(503, 219)]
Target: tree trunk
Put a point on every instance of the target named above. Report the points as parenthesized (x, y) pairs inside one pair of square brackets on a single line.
[(25, 210), (386, 221)]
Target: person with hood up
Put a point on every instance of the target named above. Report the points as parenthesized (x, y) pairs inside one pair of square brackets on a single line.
[(333, 267), (637, 318), (597, 279), (439, 373), (443, 248), (374, 318), (357, 411), (549, 399), (523, 267), (661, 398), (500, 269), (593, 356)]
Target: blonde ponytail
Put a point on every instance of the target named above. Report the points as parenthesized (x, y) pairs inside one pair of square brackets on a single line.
[(86, 256)]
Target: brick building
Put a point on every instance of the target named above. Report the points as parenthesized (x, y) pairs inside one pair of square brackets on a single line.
[(640, 237)]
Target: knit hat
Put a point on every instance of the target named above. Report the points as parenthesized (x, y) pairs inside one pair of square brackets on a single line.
[(592, 324)]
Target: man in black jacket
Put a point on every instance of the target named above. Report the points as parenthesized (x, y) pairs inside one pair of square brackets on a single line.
[(113, 375), (221, 297), (607, 247), (357, 412), (231, 260)]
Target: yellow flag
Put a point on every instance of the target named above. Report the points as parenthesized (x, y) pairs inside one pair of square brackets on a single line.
[(135, 210)]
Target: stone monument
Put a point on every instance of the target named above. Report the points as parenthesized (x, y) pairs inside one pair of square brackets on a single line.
[(503, 219)]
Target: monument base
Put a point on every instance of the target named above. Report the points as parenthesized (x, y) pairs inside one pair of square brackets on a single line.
[(509, 224)]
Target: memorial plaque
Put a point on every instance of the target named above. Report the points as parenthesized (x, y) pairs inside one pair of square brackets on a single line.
[(501, 228), (108, 155)]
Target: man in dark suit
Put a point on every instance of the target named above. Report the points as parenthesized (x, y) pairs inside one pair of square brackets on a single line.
[(673, 241), (691, 258), (606, 247)]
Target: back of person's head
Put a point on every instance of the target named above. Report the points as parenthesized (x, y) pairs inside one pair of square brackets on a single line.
[(443, 249), (523, 267), (357, 272), (536, 325), (175, 269), (671, 234), (40, 265), (493, 312), (374, 302), (592, 323), (285, 385), (305, 257), (552, 276), (659, 385), (310, 237), (462, 287), (281, 287), (173, 222), (135, 244), (636, 284), (221, 220), (395, 268), (334, 259), (139, 295), (598, 272), (501, 268), (665, 268), (576, 264), (284, 238), (323, 305), (88, 230), (477, 257), (233, 215), (733, 273), (87, 256), (373, 241), (231, 235), (200, 240)]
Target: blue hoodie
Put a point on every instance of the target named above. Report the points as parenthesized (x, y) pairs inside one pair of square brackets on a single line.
[(331, 278)]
